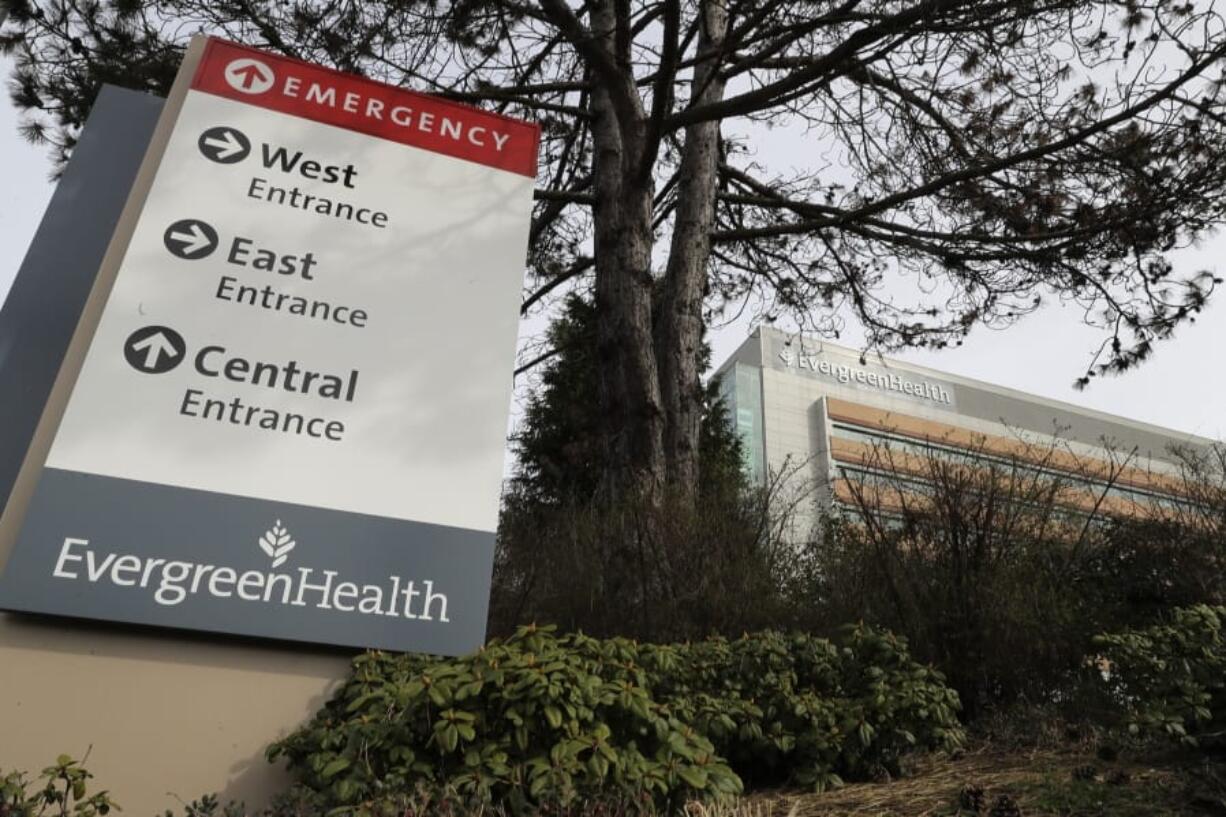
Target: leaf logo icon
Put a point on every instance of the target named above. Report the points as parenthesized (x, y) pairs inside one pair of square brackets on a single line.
[(277, 543)]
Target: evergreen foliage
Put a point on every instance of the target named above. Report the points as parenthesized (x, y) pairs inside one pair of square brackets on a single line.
[(1170, 677), (561, 458), (547, 720), (664, 569)]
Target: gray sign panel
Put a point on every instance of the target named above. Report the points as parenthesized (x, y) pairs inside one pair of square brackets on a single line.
[(115, 549), (44, 304)]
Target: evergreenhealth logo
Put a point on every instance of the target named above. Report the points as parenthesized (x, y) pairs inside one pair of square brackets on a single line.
[(277, 543), (885, 381), (172, 582)]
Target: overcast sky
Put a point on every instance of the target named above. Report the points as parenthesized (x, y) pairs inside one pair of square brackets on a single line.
[(1181, 386)]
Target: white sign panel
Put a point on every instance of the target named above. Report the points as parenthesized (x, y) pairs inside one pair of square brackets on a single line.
[(309, 341)]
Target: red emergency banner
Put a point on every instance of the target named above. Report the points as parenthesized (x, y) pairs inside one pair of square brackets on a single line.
[(346, 101)]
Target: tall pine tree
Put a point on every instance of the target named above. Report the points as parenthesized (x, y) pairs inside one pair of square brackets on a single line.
[(964, 161), (560, 444)]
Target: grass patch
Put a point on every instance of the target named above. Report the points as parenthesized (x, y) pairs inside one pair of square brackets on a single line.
[(1042, 783), (1154, 793)]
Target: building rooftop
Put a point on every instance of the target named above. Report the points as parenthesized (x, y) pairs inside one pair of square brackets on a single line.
[(913, 389)]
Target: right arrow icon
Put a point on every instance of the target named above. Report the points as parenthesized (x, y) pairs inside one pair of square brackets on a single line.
[(224, 145), (154, 349), (190, 238)]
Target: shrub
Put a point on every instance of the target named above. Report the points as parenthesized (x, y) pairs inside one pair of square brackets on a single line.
[(547, 720), (673, 567), (61, 791), (981, 565), (803, 710), (661, 573), (535, 719), (1170, 678)]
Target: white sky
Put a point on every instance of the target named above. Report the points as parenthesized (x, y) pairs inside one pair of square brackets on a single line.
[(1181, 387)]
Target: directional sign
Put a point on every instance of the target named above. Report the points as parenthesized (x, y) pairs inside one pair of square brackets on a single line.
[(290, 420), (224, 145)]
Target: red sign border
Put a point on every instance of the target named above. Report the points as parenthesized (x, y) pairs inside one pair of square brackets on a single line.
[(522, 160)]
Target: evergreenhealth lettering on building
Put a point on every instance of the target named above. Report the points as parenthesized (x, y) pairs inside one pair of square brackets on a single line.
[(265, 363), (885, 381)]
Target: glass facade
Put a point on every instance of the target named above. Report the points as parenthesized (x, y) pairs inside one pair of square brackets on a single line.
[(896, 444), (741, 389)]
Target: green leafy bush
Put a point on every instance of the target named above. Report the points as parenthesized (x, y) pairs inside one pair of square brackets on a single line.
[(546, 720), (61, 791), (533, 719), (802, 710), (1170, 678)]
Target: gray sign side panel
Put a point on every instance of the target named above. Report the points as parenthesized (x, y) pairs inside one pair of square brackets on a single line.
[(43, 306), (172, 532)]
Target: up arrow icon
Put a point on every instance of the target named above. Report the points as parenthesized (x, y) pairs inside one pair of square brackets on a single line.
[(190, 238), (249, 76), (154, 349), (224, 145)]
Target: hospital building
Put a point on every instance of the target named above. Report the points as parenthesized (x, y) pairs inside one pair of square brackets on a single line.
[(822, 413)]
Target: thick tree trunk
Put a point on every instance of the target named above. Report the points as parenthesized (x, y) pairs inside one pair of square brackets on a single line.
[(679, 323), (630, 385)]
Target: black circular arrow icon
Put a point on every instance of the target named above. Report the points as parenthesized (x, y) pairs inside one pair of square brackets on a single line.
[(224, 145), (190, 238), (154, 349)]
